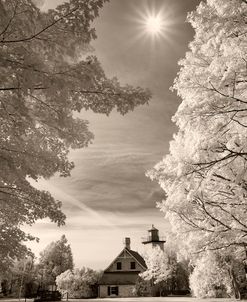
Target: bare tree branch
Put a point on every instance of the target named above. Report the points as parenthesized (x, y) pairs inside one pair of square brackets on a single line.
[(10, 20)]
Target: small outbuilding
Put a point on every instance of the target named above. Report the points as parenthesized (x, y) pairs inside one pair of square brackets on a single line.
[(119, 278)]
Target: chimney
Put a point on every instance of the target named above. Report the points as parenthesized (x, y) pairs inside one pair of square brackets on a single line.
[(127, 243)]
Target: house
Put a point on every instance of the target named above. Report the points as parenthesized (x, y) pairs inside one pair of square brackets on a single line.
[(119, 278)]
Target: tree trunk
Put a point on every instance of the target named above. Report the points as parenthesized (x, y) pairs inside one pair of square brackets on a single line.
[(245, 266), (235, 285)]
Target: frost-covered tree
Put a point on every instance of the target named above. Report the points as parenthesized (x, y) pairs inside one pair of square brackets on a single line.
[(209, 278), (46, 75), (205, 174), (78, 283), (158, 266), (54, 260), (164, 275), (213, 276)]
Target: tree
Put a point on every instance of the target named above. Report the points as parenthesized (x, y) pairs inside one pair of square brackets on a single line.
[(54, 260), (178, 280), (213, 276), (158, 266), (46, 75), (142, 287), (209, 279), (204, 176), (78, 283), (166, 274), (20, 279)]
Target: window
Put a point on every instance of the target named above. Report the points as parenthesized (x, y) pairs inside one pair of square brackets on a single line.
[(132, 265), (119, 265), (112, 290)]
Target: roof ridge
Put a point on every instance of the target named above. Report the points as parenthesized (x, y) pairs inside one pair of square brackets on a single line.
[(138, 257)]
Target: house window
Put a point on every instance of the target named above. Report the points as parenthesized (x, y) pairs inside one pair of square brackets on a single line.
[(132, 265), (119, 265), (112, 290)]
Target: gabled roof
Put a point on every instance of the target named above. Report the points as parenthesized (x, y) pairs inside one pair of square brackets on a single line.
[(138, 258), (133, 254)]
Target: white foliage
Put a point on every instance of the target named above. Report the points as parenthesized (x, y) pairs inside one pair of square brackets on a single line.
[(77, 283), (158, 266), (209, 278), (204, 175)]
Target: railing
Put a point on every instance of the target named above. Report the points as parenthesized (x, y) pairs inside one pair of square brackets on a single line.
[(150, 238)]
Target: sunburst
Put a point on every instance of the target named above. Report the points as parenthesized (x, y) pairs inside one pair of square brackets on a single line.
[(154, 24)]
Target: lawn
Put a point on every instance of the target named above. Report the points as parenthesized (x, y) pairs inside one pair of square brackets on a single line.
[(139, 299), (155, 299)]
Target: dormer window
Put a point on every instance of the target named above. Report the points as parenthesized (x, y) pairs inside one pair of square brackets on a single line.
[(132, 265), (119, 265)]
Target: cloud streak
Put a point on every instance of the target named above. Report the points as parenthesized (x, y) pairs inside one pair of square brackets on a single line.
[(108, 196)]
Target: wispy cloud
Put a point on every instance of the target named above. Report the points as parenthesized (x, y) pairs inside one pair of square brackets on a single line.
[(108, 196), (95, 243)]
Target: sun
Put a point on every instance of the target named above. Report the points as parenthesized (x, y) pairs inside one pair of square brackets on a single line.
[(154, 24)]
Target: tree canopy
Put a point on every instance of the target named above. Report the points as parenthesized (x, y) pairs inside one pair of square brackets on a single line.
[(78, 283), (46, 75), (215, 275), (204, 176), (54, 260), (159, 267)]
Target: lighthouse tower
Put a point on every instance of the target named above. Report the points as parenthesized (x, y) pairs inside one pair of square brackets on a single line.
[(153, 239)]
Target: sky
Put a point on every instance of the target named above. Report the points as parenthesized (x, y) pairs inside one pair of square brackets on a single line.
[(108, 197)]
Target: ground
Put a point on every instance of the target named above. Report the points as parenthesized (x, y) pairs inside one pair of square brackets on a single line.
[(157, 299), (139, 299)]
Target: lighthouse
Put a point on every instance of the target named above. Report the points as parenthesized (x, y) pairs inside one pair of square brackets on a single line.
[(153, 239)]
